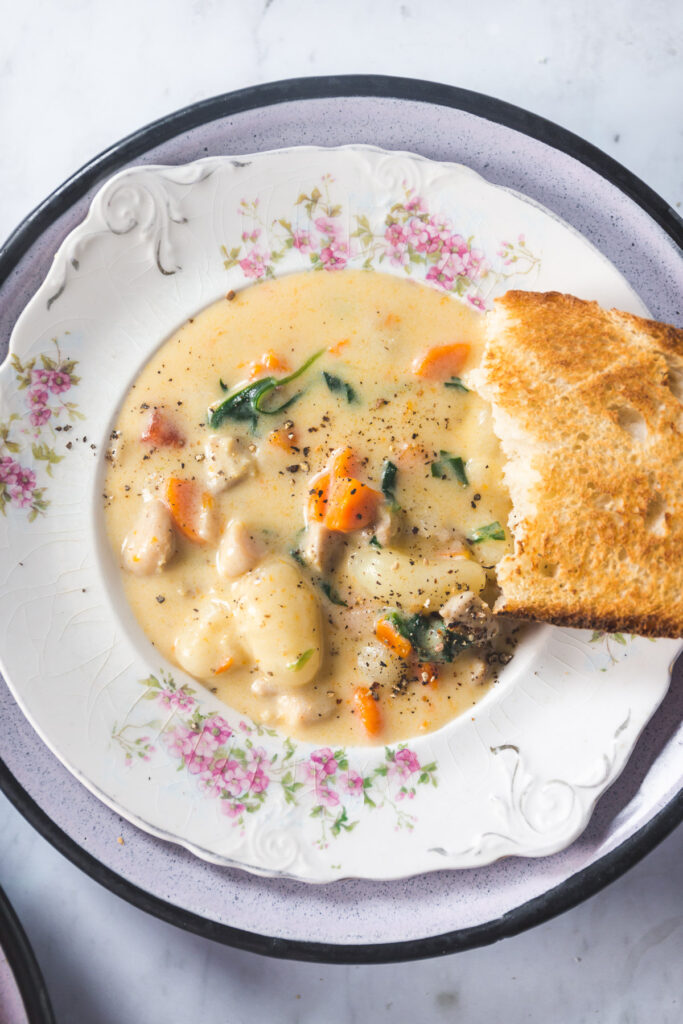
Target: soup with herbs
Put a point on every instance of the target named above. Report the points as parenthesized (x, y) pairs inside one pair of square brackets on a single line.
[(307, 505)]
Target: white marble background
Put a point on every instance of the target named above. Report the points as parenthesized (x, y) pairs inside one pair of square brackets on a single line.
[(75, 76)]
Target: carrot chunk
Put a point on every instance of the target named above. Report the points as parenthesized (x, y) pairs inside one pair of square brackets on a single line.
[(334, 350), (391, 638), (190, 508), (161, 432), (343, 463), (338, 499), (368, 709), (283, 438), (224, 667), (428, 674), (352, 505), (269, 361), (441, 362)]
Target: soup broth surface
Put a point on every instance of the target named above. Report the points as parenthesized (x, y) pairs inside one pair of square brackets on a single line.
[(296, 562)]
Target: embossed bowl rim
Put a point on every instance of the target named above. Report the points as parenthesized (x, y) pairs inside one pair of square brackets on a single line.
[(611, 865)]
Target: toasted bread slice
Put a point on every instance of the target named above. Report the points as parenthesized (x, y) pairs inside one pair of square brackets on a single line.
[(588, 406)]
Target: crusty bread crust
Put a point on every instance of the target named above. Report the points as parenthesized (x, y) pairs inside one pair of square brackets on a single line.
[(588, 405)]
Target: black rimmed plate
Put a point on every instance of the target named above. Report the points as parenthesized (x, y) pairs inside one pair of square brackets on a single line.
[(23, 995), (355, 921)]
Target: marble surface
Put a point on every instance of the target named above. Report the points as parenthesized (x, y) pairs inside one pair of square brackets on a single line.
[(613, 960), (75, 77)]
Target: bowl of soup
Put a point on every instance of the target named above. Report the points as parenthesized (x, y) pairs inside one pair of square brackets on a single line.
[(253, 508), (313, 546)]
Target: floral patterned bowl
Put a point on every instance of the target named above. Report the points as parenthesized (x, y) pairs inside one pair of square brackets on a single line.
[(521, 774)]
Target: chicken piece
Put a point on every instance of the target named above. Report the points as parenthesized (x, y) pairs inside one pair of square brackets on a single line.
[(386, 526), (265, 687), (226, 462), (151, 543), (467, 611), (238, 552), (193, 510), (292, 710), (378, 666), (319, 547)]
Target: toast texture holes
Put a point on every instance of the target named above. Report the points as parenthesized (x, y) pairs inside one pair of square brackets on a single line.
[(633, 423), (674, 378), (655, 515), (594, 467)]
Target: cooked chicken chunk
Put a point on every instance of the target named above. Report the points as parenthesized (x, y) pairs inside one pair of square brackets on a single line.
[(265, 687), (386, 526), (378, 665), (468, 611), (226, 462), (238, 552), (151, 543), (320, 546)]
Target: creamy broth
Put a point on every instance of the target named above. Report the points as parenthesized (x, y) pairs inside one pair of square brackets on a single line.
[(284, 577)]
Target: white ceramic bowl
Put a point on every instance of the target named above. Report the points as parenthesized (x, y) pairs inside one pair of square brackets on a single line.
[(521, 774)]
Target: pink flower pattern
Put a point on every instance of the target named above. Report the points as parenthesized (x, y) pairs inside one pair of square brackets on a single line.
[(229, 767), (255, 264), (413, 238), (43, 386)]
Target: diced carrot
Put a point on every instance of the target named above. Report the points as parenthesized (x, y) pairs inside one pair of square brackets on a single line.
[(224, 667), (269, 361), (283, 438), (343, 463), (334, 350), (391, 638), (368, 709), (338, 499), (190, 508), (428, 674), (352, 505), (457, 551), (161, 431), (318, 493), (391, 319), (441, 362)]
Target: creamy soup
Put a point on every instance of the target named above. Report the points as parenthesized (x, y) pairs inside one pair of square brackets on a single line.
[(307, 505)]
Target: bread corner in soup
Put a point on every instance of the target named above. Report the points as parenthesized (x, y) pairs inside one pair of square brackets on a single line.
[(307, 505)]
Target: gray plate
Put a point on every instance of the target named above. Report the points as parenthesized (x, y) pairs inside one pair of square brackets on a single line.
[(355, 921)]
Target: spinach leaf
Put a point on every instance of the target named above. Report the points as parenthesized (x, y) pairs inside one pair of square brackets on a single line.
[(448, 465), (431, 638), (249, 402), (388, 485), (332, 595), (294, 666), (492, 531), (456, 383), (337, 384)]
